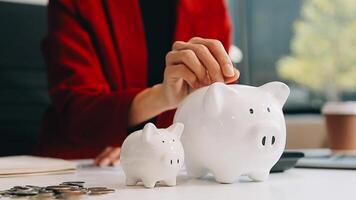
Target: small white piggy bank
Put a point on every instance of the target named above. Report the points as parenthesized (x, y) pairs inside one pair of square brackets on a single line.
[(151, 155), (231, 130)]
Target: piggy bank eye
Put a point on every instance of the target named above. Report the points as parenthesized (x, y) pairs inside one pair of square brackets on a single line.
[(162, 141), (251, 111), (173, 140), (268, 109)]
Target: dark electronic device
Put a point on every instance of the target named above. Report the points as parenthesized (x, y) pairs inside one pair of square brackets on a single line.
[(288, 160)]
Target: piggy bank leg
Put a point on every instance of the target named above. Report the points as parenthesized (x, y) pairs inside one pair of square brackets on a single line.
[(149, 182), (131, 181), (259, 175), (224, 176), (171, 181)]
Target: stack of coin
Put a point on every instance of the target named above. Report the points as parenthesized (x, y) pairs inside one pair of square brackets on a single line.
[(66, 190)]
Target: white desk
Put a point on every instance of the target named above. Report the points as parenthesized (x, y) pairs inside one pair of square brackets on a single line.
[(297, 184)]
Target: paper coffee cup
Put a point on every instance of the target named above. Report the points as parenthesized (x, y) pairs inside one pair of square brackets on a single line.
[(340, 120)]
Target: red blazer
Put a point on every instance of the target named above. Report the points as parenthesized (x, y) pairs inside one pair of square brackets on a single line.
[(97, 62)]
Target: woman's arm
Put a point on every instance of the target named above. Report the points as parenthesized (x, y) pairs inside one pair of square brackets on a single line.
[(147, 104), (90, 114)]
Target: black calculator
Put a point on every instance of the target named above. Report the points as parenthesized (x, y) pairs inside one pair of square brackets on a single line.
[(288, 160)]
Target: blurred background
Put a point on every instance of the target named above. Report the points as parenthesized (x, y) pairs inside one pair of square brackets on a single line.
[(309, 44)]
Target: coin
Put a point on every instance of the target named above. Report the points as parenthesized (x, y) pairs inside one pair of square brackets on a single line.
[(34, 187), (97, 188), (46, 192), (45, 195), (3, 192), (74, 183), (23, 188), (23, 193), (69, 190), (73, 192), (58, 187), (73, 186), (100, 192)]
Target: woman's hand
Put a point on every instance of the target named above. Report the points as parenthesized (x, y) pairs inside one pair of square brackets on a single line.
[(108, 157), (189, 66), (194, 64)]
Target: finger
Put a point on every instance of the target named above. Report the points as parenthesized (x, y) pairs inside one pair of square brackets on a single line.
[(114, 155), (106, 157), (188, 58), (110, 157), (218, 51), (205, 56), (102, 155), (116, 162), (180, 71), (104, 162), (234, 78)]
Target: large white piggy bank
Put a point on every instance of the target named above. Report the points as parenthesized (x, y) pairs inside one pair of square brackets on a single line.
[(231, 130), (151, 155)]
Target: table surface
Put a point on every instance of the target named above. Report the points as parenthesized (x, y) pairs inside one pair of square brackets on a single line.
[(292, 184)]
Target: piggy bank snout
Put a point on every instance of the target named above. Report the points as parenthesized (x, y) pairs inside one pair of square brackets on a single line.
[(173, 160), (267, 136), (268, 140)]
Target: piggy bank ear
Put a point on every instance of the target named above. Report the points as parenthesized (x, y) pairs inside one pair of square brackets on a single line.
[(148, 131), (176, 128), (214, 98), (278, 89)]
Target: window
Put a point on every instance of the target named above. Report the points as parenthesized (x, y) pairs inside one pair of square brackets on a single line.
[(265, 31)]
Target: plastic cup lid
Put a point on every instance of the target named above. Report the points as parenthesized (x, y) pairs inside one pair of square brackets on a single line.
[(340, 108)]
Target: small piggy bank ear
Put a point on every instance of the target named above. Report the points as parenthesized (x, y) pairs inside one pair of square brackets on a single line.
[(215, 96), (176, 128), (278, 89), (148, 131)]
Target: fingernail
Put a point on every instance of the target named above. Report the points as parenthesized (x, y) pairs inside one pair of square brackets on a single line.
[(229, 70), (104, 162)]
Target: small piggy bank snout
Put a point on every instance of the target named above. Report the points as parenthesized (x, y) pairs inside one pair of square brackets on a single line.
[(173, 160)]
